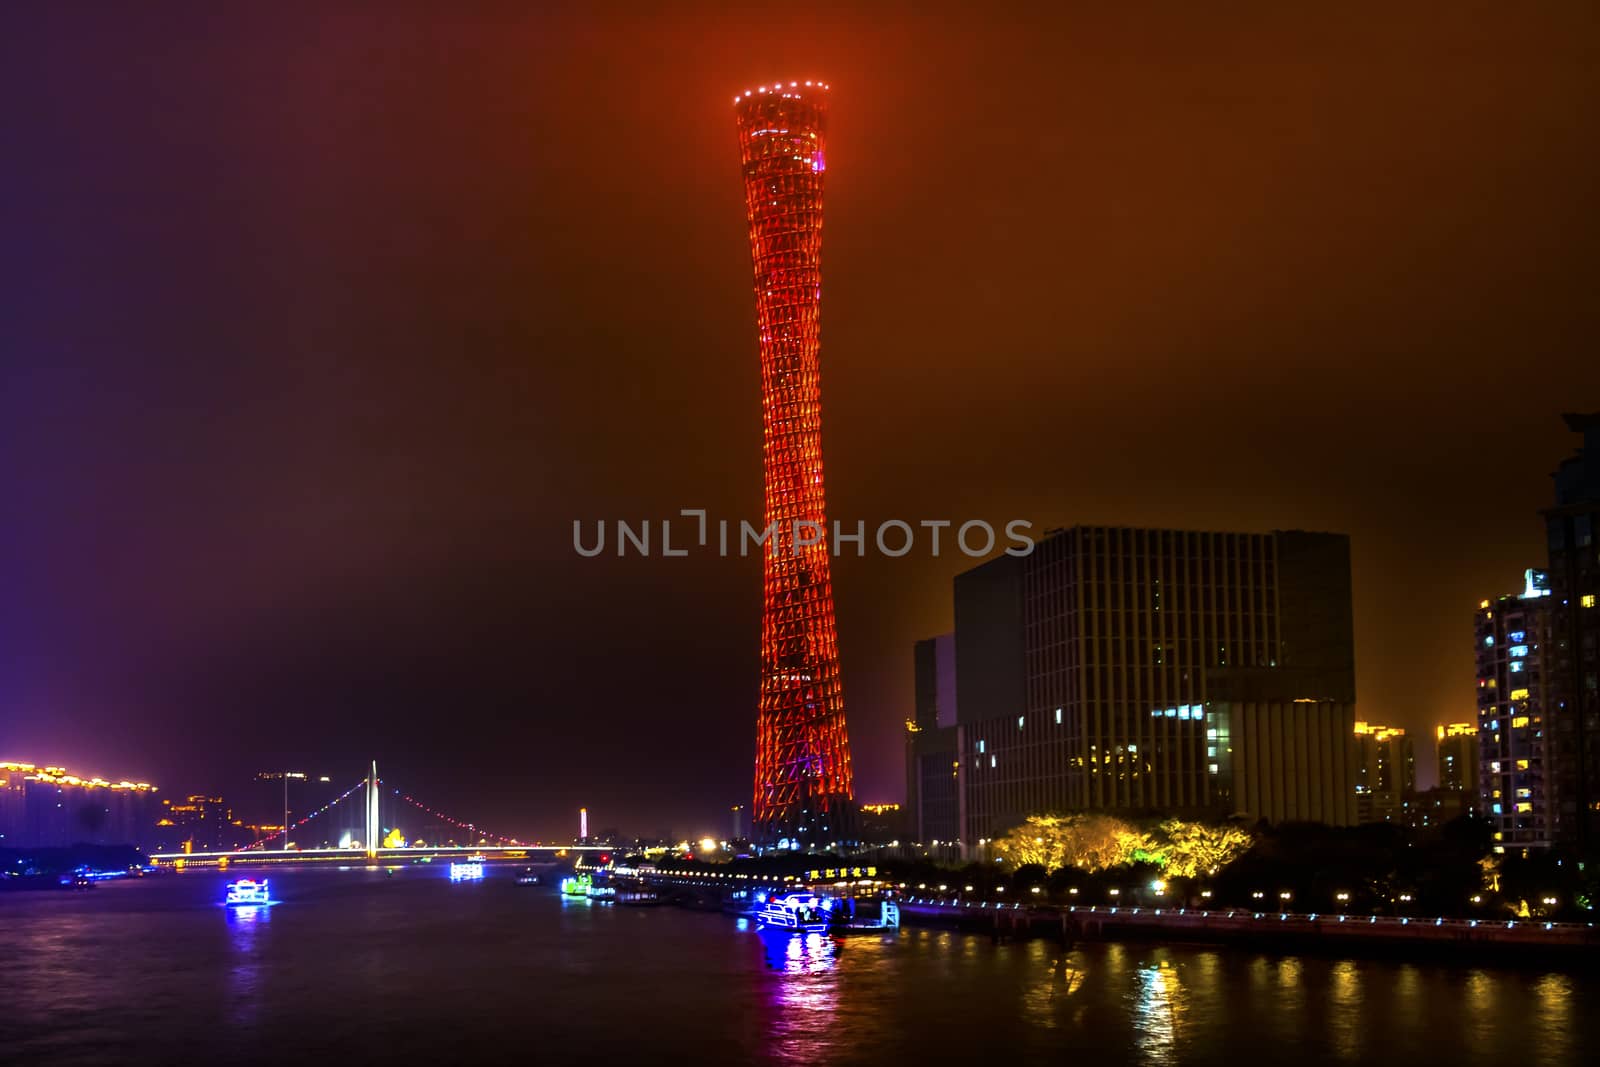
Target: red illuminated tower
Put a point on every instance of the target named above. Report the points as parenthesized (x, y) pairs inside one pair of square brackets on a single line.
[(803, 782)]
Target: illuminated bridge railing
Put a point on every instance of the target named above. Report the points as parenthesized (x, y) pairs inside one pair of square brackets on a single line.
[(360, 855)]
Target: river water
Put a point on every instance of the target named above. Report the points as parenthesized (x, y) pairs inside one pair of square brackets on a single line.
[(412, 968)]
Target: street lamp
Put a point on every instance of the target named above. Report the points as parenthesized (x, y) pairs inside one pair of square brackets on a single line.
[(285, 775)]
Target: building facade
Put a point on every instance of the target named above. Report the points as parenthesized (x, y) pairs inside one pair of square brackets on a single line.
[(50, 807), (198, 824), (932, 800), (1284, 760), (1572, 665), (1511, 638), (1457, 752), (1386, 772), (804, 789), (1089, 672)]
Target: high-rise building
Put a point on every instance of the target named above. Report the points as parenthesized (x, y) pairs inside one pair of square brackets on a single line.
[(198, 823), (1101, 671), (803, 782), (50, 807), (1284, 760), (1386, 772), (1572, 665), (1512, 637), (1458, 757), (933, 805)]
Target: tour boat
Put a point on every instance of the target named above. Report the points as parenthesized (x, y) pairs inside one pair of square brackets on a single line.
[(247, 892), (528, 877), (637, 896), (469, 870), (576, 886), (796, 913)]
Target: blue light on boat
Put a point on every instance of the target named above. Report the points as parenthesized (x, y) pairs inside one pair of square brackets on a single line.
[(248, 893), (795, 913)]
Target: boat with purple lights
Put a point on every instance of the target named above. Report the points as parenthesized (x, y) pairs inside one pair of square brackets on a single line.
[(247, 893), (799, 913)]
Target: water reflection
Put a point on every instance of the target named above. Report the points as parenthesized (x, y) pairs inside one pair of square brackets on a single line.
[(1344, 1009), (1051, 1001), (1553, 996), (806, 996), (157, 965), (1159, 1005), (245, 924), (799, 953)]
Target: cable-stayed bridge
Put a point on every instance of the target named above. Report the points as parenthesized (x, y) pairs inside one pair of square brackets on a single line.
[(366, 822)]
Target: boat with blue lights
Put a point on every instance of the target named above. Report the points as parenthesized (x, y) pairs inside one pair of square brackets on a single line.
[(801, 913), (247, 892), (468, 870)]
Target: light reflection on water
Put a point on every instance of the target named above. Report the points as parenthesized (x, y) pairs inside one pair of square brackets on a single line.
[(244, 976), (363, 966), (807, 995), (1553, 1000), (1344, 1009)]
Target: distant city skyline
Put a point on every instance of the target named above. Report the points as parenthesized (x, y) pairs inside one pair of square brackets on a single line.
[(313, 359)]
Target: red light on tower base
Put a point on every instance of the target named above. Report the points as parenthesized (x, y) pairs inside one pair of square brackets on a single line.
[(803, 786)]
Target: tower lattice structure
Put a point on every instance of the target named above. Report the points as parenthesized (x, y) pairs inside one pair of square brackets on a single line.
[(803, 786)]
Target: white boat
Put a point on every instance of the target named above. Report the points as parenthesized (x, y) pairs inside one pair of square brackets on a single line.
[(471, 870), (797, 913), (247, 892)]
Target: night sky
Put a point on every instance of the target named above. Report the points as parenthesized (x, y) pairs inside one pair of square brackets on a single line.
[(320, 330)]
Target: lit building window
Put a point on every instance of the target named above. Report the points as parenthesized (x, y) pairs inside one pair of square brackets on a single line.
[(1587, 601), (1519, 722)]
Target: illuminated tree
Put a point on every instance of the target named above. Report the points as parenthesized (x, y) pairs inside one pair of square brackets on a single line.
[(1093, 842), (1199, 850), (1088, 842)]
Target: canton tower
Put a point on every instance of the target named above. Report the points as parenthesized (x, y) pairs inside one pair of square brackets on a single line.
[(803, 788)]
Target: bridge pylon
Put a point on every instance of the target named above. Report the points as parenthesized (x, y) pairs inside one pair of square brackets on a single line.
[(374, 830)]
